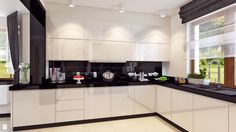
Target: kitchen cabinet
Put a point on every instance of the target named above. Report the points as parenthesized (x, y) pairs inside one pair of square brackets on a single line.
[(108, 31), (151, 52), (151, 33), (97, 102), (122, 101), (145, 99), (182, 109), (67, 28), (33, 107), (69, 104), (109, 51), (163, 101), (66, 49), (232, 118), (210, 115)]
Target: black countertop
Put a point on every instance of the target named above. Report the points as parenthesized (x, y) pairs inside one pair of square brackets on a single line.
[(98, 84)]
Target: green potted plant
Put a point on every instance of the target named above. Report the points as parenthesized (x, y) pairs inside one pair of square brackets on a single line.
[(195, 78)]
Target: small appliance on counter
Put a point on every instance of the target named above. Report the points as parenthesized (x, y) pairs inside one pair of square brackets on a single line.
[(108, 76), (56, 75), (180, 80)]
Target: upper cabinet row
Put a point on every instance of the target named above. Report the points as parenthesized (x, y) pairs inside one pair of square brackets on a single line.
[(66, 28), (71, 39)]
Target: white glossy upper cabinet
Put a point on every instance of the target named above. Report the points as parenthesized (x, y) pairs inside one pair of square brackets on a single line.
[(182, 109), (109, 51), (163, 101), (152, 52), (145, 99), (97, 102), (151, 34), (33, 107), (65, 28), (210, 115), (66, 49), (108, 31), (232, 118), (65, 39), (122, 101)]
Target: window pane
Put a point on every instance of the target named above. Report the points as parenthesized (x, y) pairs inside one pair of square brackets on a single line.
[(215, 69), (3, 54)]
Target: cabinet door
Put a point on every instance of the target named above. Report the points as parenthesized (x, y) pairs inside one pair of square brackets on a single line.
[(109, 51), (145, 99), (122, 101), (97, 102), (152, 52), (210, 115), (163, 101), (66, 49), (182, 109), (232, 118), (33, 107)]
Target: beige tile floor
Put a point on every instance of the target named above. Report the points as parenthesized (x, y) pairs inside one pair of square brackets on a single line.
[(147, 124)]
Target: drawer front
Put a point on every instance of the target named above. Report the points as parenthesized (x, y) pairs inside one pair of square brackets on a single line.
[(68, 94), (68, 105), (65, 116)]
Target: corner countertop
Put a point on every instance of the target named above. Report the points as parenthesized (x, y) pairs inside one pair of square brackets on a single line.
[(98, 84)]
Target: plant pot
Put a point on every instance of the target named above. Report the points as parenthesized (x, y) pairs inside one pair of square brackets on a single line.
[(199, 81)]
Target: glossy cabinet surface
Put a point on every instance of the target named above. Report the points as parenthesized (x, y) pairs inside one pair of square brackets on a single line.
[(109, 51), (182, 109), (145, 99), (151, 52), (232, 117), (97, 103), (163, 101), (69, 104), (122, 101), (210, 115), (33, 107)]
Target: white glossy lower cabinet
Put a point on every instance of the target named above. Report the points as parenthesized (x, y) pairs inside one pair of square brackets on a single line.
[(210, 115), (182, 109), (122, 101), (145, 99), (97, 102), (33, 107), (232, 118), (163, 101), (69, 104), (74, 115)]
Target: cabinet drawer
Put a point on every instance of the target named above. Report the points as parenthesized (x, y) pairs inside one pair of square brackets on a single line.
[(65, 116), (68, 94), (67, 105)]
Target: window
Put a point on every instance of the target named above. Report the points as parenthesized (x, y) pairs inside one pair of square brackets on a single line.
[(4, 52), (214, 66), (211, 43)]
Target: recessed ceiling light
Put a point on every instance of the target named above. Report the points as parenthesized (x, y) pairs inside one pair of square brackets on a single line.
[(162, 13), (72, 3), (121, 8)]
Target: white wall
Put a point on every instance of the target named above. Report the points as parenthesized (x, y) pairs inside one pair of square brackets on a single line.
[(178, 57)]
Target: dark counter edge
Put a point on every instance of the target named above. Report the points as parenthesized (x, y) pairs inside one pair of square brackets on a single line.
[(219, 96), (97, 120)]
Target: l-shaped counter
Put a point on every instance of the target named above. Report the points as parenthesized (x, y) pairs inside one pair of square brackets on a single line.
[(50, 105)]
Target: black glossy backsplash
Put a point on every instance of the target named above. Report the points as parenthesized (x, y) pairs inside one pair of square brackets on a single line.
[(120, 69)]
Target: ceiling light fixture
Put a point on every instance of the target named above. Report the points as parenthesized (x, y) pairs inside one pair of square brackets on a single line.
[(121, 8), (72, 3), (162, 13)]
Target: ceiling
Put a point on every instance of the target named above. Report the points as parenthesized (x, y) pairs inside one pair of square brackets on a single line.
[(9, 6), (143, 6)]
